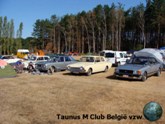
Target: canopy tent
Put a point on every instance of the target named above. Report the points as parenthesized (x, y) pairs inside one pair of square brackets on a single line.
[(151, 53)]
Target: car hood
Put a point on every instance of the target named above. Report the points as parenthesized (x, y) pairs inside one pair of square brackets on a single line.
[(28, 61), (130, 67), (81, 64), (45, 62)]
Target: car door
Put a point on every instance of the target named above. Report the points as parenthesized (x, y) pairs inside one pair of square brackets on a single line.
[(67, 61), (152, 67), (98, 65), (60, 64), (155, 65), (122, 58)]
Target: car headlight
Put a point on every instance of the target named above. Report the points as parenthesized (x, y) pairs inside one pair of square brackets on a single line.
[(139, 72), (81, 68)]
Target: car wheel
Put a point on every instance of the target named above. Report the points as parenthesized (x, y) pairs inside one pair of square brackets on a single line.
[(158, 72), (144, 77), (54, 69), (89, 72), (50, 70), (106, 69)]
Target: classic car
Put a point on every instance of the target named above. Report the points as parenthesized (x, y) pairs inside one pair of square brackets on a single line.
[(139, 68), (35, 59), (55, 64), (89, 65), (9, 59)]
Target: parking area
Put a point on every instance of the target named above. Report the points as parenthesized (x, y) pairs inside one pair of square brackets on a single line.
[(37, 99)]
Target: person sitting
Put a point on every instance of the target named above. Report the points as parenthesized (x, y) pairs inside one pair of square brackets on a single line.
[(19, 66)]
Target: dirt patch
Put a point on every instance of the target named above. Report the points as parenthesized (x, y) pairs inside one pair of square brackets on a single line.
[(37, 99)]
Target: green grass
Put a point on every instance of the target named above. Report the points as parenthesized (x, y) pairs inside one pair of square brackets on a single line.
[(8, 71)]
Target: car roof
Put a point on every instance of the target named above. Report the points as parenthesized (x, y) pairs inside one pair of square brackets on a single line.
[(91, 56)]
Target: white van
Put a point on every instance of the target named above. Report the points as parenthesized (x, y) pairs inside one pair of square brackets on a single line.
[(115, 57)]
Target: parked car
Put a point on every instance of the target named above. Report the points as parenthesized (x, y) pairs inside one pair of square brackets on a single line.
[(89, 65), (35, 59), (115, 57), (139, 68), (9, 59), (55, 64)]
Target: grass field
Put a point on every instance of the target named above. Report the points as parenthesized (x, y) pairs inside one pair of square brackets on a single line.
[(37, 99), (8, 71)]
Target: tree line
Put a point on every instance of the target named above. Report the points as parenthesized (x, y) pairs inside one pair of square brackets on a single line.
[(103, 27), (8, 42)]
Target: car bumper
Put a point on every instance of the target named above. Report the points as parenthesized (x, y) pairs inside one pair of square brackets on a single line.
[(132, 76), (41, 68), (76, 70)]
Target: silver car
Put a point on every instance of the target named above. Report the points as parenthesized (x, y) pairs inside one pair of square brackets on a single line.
[(139, 68), (55, 64)]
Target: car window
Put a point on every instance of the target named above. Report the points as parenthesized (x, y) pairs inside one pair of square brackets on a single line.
[(121, 55), (40, 58), (152, 61), (102, 59), (67, 59), (109, 55), (97, 59), (61, 59), (46, 58), (87, 59)]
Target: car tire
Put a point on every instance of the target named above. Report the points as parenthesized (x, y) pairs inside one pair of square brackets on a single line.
[(144, 77), (89, 72), (106, 69), (158, 72), (54, 69), (50, 70)]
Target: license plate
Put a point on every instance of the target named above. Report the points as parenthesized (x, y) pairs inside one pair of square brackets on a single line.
[(125, 76)]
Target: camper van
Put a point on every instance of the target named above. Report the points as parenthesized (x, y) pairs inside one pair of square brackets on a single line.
[(22, 53), (115, 57)]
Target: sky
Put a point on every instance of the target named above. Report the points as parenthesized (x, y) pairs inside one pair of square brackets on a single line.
[(28, 11)]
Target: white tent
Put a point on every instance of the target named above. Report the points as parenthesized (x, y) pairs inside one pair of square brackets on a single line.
[(151, 53)]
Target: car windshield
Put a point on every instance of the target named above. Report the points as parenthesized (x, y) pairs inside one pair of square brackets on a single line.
[(33, 58), (139, 60), (87, 59)]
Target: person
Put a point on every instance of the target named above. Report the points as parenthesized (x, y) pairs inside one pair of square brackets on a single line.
[(19, 66)]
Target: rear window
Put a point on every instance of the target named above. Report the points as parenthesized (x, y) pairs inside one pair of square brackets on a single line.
[(109, 55)]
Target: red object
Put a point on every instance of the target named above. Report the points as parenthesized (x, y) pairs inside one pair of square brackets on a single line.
[(3, 63), (73, 53)]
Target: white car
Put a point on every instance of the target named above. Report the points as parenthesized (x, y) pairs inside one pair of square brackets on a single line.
[(115, 57), (89, 65), (35, 59), (10, 59)]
